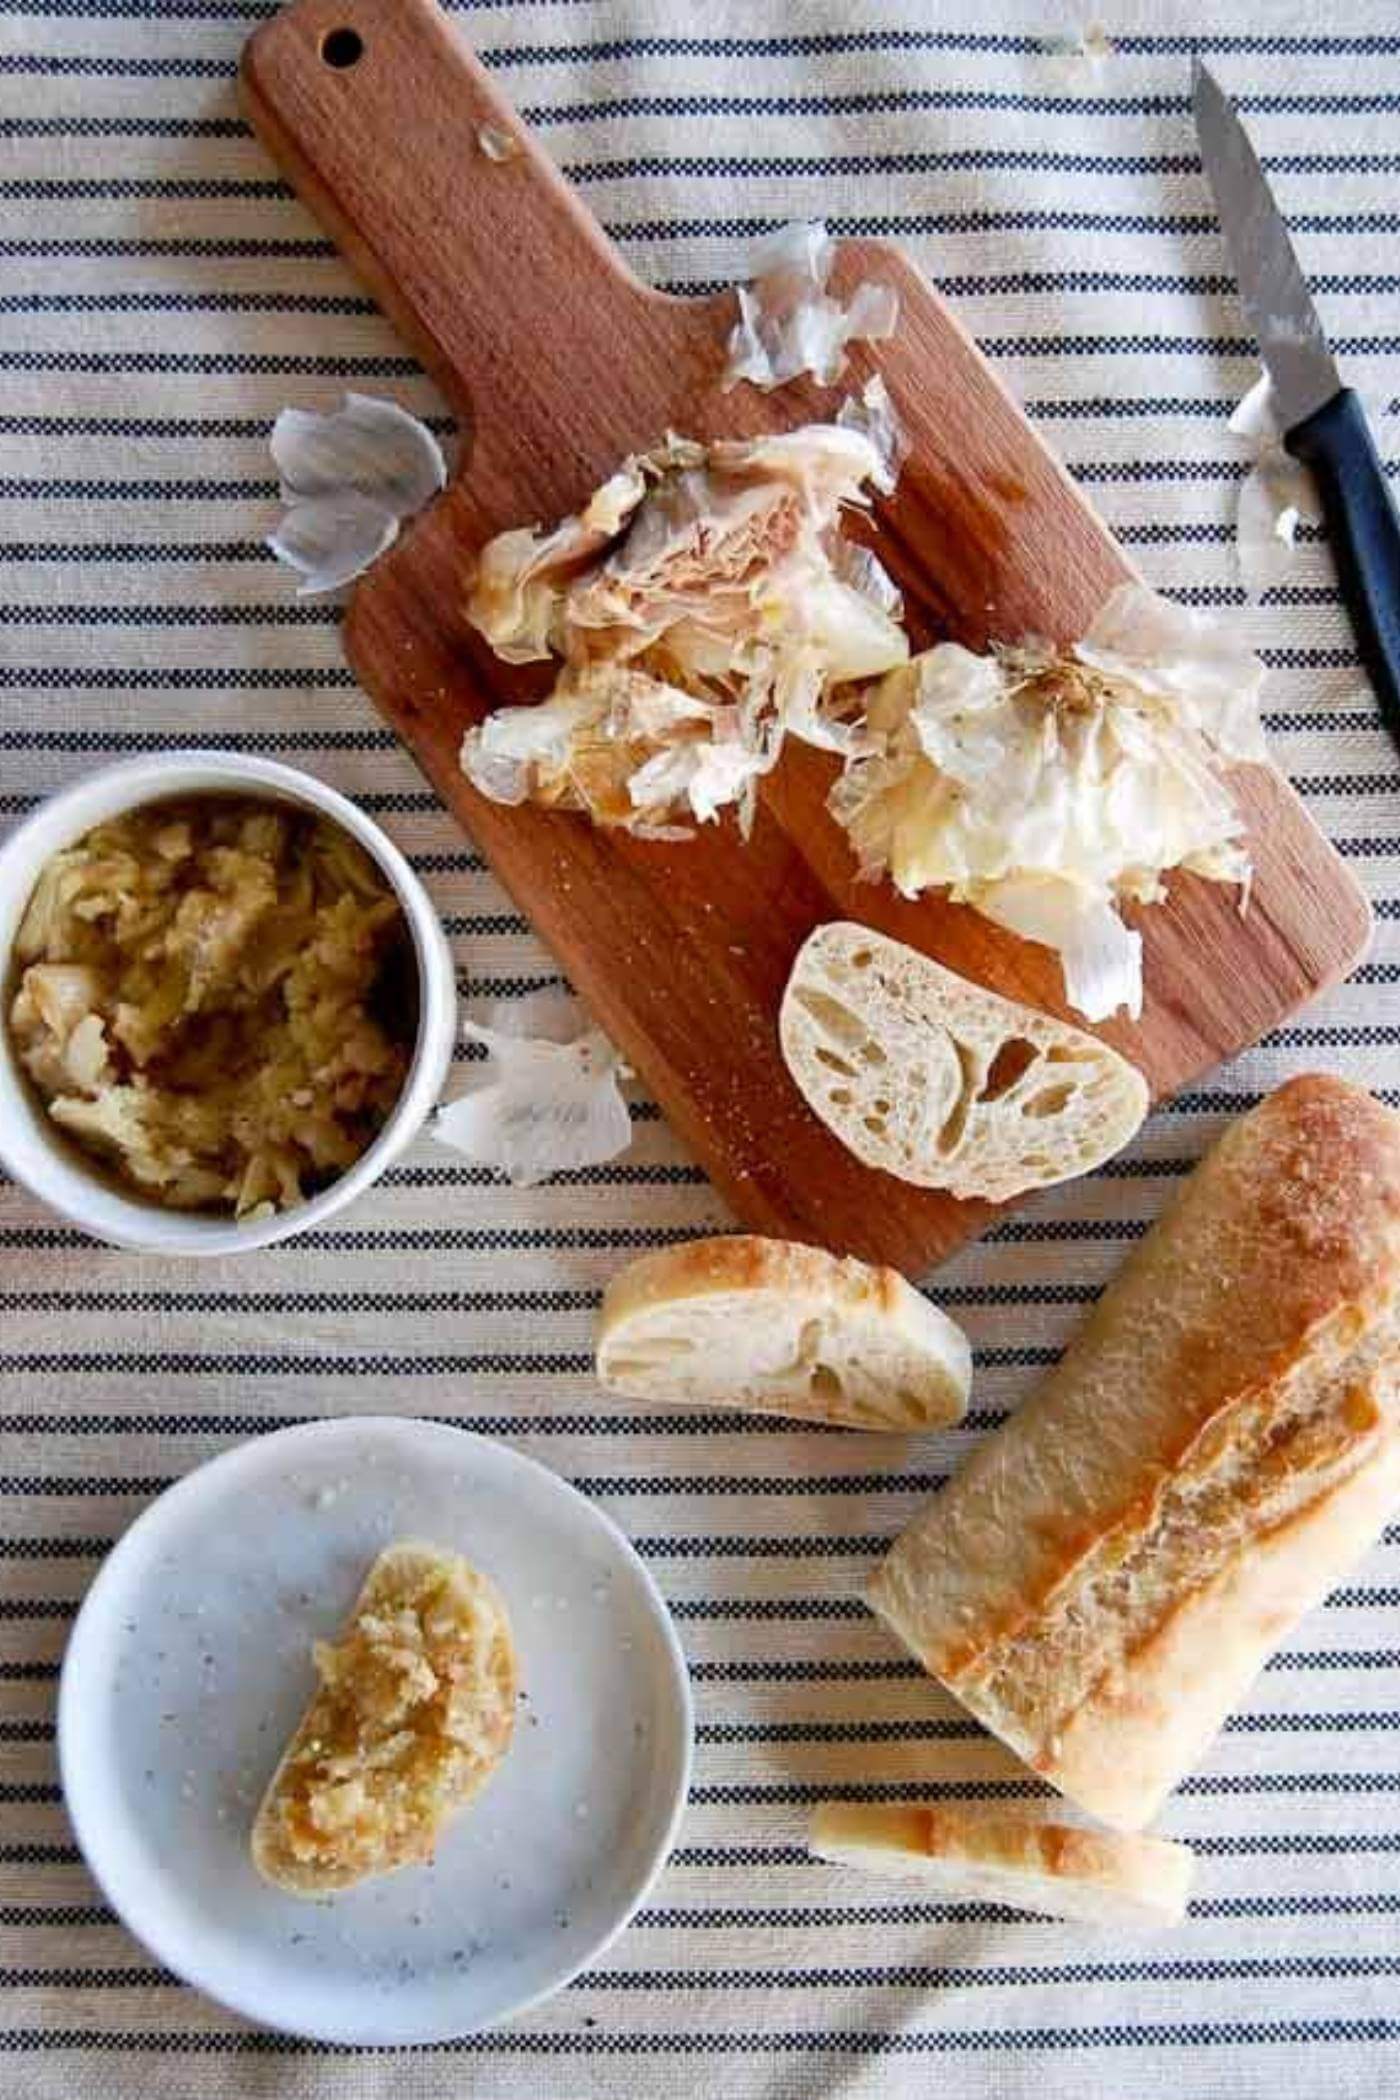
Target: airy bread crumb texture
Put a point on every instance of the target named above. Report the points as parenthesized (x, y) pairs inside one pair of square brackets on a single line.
[(944, 1084), (743, 1321), (414, 1713)]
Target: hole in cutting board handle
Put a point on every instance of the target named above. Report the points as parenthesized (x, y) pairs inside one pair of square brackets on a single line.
[(342, 48)]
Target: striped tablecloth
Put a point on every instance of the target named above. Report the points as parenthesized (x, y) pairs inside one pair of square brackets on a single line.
[(163, 296)]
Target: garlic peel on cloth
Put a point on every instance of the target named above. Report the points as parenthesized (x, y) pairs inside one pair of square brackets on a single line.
[(1276, 496), (347, 480), (548, 1098)]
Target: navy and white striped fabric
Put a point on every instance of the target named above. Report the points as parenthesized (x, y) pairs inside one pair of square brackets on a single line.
[(163, 296)]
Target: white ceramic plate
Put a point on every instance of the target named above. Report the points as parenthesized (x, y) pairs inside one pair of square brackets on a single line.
[(190, 1664)]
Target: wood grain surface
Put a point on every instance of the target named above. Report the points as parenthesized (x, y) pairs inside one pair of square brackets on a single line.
[(558, 362)]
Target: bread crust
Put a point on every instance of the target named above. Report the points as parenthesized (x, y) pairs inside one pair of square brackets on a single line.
[(1132, 1740), (1104, 1578), (1025, 1856), (746, 1261), (763, 1286)]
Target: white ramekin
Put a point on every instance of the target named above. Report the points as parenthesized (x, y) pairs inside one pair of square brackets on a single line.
[(52, 1170)]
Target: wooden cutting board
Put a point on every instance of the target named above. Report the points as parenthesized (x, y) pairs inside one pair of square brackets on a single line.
[(558, 362)]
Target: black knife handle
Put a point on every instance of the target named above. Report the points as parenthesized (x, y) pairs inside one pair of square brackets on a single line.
[(1364, 531)]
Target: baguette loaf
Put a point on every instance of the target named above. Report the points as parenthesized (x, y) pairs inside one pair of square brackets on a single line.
[(942, 1083), (784, 1329), (1018, 1856), (1102, 1581)]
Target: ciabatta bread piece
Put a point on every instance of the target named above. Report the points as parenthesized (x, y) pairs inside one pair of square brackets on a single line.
[(414, 1713), (784, 1329), (941, 1083), (1023, 1857), (1103, 1579)]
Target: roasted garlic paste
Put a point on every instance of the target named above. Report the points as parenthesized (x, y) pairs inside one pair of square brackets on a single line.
[(214, 998)]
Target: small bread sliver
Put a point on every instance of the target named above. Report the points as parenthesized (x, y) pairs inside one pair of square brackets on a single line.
[(1022, 1857), (414, 1713), (741, 1321), (946, 1085)]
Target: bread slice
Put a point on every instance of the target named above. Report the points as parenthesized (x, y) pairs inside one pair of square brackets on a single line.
[(1101, 1581), (414, 1713), (783, 1329), (1022, 1857), (941, 1083)]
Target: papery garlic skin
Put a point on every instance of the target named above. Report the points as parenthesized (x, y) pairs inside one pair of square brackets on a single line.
[(705, 605), (1045, 789), (548, 1100), (873, 414), (330, 540), (789, 324), (347, 480), (1277, 493)]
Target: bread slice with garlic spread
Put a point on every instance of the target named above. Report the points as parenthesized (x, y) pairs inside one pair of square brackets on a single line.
[(783, 1329), (414, 1712), (1023, 1857), (942, 1083)]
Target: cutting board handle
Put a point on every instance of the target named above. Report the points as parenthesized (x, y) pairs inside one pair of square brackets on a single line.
[(492, 269)]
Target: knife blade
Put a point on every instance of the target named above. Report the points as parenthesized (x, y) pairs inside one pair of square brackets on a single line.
[(1324, 423), (1300, 366)]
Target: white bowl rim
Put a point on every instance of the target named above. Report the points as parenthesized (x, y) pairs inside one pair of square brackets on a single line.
[(90, 1202)]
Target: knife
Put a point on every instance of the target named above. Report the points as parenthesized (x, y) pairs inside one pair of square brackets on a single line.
[(1324, 423)]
